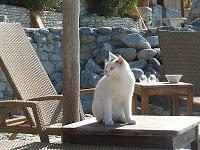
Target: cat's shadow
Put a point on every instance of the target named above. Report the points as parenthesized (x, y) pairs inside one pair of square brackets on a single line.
[(101, 127)]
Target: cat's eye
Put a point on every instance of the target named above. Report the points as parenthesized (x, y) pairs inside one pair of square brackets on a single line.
[(111, 68)]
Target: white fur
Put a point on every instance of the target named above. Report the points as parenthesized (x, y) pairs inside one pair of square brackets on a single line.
[(113, 94)]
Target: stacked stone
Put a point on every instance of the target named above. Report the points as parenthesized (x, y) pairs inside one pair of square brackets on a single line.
[(95, 21), (173, 13), (16, 14), (51, 19), (156, 12), (84, 7), (142, 54), (195, 11)]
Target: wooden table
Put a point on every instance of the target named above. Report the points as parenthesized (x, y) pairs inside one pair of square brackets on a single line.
[(145, 90), (166, 132)]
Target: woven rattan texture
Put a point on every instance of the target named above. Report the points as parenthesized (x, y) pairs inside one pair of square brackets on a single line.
[(23, 63), (180, 53), (25, 72), (19, 145)]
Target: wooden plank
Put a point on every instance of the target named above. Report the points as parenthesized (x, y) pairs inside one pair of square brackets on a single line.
[(195, 144), (190, 101), (71, 62), (163, 84), (167, 132), (36, 21), (144, 103), (134, 104), (174, 105), (187, 138), (162, 142), (145, 125)]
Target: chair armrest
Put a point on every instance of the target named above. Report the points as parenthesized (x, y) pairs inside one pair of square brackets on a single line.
[(17, 103), (48, 97), (11, 104)]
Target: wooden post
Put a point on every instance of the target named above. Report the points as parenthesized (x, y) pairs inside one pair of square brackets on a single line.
[(182, 8), (71, 68)]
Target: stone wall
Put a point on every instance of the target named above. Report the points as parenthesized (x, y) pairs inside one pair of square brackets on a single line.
[(54, 19), (51, 19), (95, 21), (141, 52), (15, 14), (171, 13), (195, 11), (85, 7)]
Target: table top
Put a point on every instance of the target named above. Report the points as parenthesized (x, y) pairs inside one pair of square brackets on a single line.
[(159, 84), (145, 125)]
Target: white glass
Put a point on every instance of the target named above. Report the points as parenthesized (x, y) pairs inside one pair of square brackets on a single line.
[(151, 78), (143, 79)]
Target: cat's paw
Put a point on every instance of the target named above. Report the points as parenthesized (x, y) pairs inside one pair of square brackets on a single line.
[(108, 122), (131, 121)]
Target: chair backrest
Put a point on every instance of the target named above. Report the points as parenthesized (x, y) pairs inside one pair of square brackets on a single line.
[(25, 72), (21, 64), (180, 54)]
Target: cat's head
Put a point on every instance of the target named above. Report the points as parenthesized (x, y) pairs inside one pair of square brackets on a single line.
[(115, 65)]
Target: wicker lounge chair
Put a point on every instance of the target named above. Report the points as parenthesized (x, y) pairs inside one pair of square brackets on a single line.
[(180, 52), (33, 90)]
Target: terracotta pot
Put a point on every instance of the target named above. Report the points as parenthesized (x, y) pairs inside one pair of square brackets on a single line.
[(133, 12), (144, 2)]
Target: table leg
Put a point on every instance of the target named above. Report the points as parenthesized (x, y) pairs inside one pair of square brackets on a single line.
[(190, 101), (144, 104), (134, 104), (174, 105), (195, 144)]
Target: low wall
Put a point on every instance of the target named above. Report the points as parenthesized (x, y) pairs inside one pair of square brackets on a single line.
[(16, 14), (51, 19), (95, 21)]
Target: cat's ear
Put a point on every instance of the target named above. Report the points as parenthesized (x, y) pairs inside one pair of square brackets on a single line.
[(120, 60), (112, 56)]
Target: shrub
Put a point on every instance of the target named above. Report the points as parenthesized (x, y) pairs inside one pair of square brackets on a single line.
[(113, 7), (188, 3)]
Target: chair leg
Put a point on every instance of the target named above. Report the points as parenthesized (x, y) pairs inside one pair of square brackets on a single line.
[(134, 104), (13, 136), (44, 136), (174, 105)]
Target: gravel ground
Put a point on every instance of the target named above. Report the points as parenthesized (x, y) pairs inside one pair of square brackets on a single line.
[(30, 137)]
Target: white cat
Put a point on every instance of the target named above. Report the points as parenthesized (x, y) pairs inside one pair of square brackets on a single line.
[(113, 94)]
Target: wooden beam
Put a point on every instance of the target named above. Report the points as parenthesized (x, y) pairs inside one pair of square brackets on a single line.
[(36, 21), (182, 8), (71, 62)]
